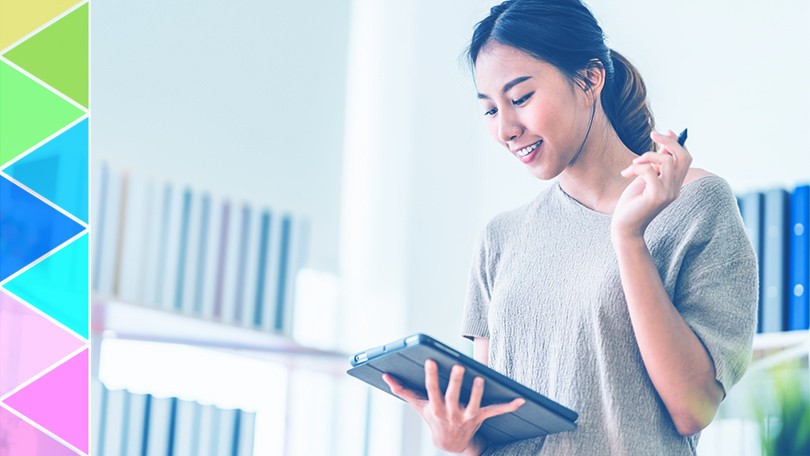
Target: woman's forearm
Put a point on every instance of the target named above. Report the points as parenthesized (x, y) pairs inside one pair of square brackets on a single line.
[(677, 362)]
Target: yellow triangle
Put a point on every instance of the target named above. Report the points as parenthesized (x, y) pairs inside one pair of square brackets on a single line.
[(20, 17)]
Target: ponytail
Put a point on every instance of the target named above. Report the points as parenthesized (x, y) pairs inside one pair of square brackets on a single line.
[(624, 100)]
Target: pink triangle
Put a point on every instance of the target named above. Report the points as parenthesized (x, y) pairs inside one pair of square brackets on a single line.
[(18, 438), (29, 343), (57, 401)]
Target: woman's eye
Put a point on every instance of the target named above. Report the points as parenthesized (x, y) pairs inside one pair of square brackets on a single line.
[(491, 112), (522, 99)]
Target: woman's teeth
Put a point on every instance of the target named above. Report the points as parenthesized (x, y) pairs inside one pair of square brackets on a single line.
[(527, 150)]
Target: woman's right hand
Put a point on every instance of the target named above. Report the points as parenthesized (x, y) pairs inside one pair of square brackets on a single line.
[(452, 425)]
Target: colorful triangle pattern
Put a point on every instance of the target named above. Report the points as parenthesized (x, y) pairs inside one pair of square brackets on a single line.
[(29, 343), (44, 310), (58, 286), (21, 17), (63, 389), (57, 170), (19, 438), (30, 228), (57, 55), (29, 113)]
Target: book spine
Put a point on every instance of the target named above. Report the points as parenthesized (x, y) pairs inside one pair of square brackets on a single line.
[(753, 221), (775, 261), (799, 304)]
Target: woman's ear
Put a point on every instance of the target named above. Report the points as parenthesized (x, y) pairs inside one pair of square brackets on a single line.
[(593, 78)]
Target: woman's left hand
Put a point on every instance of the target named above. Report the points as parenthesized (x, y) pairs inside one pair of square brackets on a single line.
[(660, 176)]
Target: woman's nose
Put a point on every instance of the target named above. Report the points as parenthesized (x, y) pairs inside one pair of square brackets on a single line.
[(508, 128)]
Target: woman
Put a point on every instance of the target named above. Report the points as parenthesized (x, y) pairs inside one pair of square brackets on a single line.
[(627, 290)]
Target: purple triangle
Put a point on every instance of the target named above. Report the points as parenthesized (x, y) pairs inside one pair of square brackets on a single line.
[(57, 401), (29, 343), (18, 438)]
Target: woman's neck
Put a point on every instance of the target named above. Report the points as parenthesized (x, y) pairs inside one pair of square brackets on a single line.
[(594, 177)]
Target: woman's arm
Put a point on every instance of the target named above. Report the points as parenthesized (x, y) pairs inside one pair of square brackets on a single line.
[(481, 350), (678, 364)]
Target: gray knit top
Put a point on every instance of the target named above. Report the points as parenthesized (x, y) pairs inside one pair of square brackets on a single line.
[(545, 290)]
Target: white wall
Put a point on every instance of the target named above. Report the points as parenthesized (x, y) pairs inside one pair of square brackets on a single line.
[(244, 98)]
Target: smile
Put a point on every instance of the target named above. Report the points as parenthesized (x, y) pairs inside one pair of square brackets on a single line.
[(527, 150)]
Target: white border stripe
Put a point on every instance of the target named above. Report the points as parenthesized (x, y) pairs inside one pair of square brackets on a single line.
[(45, 431), (43, 199), (49, 138), (43, 26), (42, 83)]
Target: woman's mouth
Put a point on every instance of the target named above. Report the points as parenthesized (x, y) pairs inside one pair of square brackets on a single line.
[(528, 153)]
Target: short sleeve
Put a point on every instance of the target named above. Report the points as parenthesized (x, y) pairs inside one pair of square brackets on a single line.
[(717, 286), (476, 304)]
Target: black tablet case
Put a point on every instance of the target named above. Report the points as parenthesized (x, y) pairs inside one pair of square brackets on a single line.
[(405, 359)]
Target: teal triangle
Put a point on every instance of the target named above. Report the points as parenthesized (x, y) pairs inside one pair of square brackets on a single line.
[(58, 286), (57, 170)]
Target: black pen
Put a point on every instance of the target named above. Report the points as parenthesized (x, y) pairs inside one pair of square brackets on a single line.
[(682, 137)]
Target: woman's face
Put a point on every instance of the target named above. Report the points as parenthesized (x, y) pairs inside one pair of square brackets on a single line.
[(531, 108)]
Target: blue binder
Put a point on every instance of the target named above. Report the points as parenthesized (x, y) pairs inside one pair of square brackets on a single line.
[(751, 204), (775, 264), (798, 302)]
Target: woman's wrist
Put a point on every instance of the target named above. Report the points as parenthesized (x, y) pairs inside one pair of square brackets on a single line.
[(477, 446)]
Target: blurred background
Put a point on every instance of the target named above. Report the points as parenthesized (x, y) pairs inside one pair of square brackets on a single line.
[(277, 185)]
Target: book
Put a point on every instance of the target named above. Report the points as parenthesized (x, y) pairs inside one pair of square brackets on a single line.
[(184, 264), (774, 253), (209, 430), (753, 221), (134, 424), (159, 426), (185, 432), (228, 420), (211, 257), (194, 255), (98, 401), (245, 436), (174, 212), (799, 272), (133, 255), (108, 232), (98, 194), (116, 408), (249, 296), (152, 245)]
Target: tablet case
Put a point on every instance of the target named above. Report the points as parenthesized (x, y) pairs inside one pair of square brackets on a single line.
[(405, 359)]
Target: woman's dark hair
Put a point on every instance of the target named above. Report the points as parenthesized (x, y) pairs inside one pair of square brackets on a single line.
[(565, 34)]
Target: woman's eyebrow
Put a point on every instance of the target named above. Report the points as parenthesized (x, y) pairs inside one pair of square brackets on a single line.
[(507, 86)]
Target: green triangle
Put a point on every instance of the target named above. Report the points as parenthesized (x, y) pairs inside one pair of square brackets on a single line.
[(58, 55), (29, 113), (58, 286)]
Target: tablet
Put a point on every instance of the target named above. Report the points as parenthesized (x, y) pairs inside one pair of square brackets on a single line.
[(405, 360)]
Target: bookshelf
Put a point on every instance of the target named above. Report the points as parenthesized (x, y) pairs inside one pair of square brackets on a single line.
[(118, 319)]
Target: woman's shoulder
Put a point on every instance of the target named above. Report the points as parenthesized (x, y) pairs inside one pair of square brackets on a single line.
[(695, 174), (705, 197)]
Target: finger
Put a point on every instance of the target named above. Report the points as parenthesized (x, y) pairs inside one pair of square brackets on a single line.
[(454, 386), (499, 409), (475, 396), (669, 145), (654, 157), (432, 385), (640, 169), (653, 185), (406, 394)]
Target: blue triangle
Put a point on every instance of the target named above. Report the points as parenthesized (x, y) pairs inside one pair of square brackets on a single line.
[(57, 170), (58, 286), (29, 228)]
